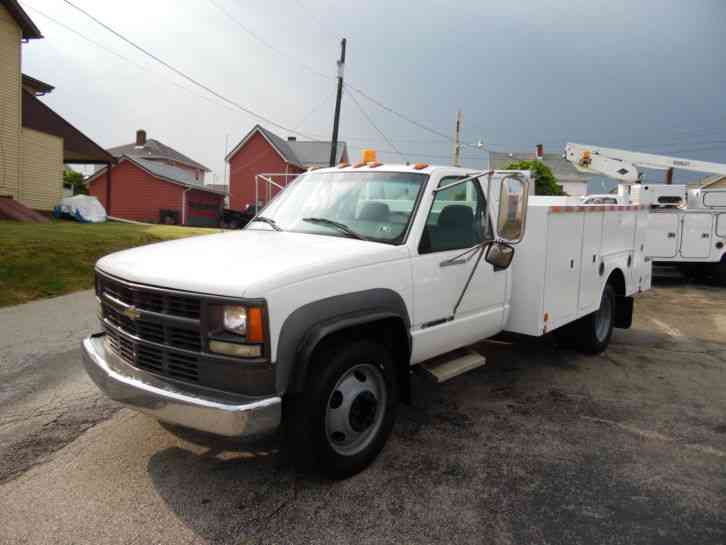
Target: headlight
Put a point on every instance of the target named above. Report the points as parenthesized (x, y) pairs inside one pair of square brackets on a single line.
[(245, 321), (248, 324), (235, 319)]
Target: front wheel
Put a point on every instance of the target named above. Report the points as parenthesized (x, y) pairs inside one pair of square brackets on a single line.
[(594, 330), (346, 413)]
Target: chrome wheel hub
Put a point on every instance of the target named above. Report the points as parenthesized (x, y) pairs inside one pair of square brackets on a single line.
[(355, 409)]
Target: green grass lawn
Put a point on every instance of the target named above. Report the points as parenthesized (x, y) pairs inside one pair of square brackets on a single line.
[(47, 259)]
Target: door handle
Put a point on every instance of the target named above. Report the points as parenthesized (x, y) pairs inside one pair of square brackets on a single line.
[(671, 235), (452, 262), (705, 235)]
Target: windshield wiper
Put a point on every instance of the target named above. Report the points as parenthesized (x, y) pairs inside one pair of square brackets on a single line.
[(340, 226), (269, 221)]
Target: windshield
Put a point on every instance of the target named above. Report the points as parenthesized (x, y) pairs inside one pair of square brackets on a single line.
[(369, 205)]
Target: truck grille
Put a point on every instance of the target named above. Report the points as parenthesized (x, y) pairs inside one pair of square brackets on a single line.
[(165, 340), (154, 301)]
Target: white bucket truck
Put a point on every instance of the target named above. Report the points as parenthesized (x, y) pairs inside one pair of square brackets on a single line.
[(687, 228), (310, 320)]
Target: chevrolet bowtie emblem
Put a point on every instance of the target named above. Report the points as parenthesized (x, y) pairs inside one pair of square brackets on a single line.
[(132, 313)]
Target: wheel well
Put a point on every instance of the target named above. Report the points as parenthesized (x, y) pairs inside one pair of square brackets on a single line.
[(617, 280), (392, 333)]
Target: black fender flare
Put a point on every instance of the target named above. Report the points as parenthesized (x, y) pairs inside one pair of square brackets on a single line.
[(304, 328)]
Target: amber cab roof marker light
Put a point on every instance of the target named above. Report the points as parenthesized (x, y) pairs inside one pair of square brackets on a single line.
[(368, 156), (343, 165), (420, 166)]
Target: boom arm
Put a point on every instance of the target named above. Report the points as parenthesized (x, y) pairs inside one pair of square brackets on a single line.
[(622, 164)]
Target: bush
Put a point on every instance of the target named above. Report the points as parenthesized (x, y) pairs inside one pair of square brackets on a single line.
[(545, 182), (75, 181)]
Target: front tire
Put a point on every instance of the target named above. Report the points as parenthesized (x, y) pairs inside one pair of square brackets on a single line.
[(345, 414), (595, 329)]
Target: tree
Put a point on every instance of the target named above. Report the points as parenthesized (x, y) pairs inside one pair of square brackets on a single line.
[(545, 182), (75, 181)]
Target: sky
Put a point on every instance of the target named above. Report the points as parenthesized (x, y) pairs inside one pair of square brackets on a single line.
[(645, 75)]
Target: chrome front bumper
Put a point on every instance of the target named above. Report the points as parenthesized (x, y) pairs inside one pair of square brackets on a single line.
[(229, 415)]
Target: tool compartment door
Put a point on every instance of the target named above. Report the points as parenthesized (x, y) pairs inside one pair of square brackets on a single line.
[(564, 250), (696, 240), (662, 238), (590, 282)]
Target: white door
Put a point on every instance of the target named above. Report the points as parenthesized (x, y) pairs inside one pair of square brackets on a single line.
[(590, 281), (662, 235), (442, 268), (562, 276), (696, 240)]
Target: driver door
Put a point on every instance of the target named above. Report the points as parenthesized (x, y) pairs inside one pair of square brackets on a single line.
[(456, 222)]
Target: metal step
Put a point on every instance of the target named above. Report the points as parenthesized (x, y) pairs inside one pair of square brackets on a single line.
[(453, 364)]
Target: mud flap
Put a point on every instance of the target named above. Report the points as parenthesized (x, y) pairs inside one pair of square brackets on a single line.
[(623, 312)]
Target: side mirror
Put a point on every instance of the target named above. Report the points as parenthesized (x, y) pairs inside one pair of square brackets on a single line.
[(500, 255), (513, 194)]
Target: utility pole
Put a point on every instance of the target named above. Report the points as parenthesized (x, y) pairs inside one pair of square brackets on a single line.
[(457, 140), (336, 118)]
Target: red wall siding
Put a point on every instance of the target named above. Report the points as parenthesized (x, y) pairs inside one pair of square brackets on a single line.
[(255, 157), (136, 195)]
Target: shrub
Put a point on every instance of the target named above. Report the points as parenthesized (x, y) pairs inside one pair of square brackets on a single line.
[(545, 182)]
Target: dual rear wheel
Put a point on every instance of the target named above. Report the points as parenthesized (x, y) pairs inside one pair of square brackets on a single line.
[(591, 334)]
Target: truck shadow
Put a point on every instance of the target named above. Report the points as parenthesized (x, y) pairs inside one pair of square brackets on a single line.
[(230, 493), (225, 496)]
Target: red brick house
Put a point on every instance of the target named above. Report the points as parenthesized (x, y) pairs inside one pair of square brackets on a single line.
[(154, 183), (263, 152)]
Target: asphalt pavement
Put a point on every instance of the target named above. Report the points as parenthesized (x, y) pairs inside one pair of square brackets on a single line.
[(542, 445)]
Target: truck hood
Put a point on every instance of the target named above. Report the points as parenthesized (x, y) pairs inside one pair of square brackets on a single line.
[(244, 263)]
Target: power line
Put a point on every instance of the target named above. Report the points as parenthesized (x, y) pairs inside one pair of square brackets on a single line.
[(410, 120), (124, 58), (323, 26), (183, 74), (379, 131), (267, 44), (398, 114), (311, 112)]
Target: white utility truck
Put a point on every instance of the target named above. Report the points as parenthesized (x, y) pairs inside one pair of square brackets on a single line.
[(310, 320), (687, 228)]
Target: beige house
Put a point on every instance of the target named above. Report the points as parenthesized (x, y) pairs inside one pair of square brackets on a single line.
[(35, 142)]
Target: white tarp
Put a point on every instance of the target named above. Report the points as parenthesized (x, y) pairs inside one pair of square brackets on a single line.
[(82, 208)]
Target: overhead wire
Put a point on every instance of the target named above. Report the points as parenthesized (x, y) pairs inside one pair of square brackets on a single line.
[(312, 111), (118, 55), (267, 44), (372, 124), (183, 74)]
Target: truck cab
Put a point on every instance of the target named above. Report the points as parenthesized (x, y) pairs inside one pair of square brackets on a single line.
[(308, 321)]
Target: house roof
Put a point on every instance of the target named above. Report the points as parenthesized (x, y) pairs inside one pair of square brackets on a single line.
[(26, 24), (301, 153), (77, 147), (153, 149), (163, 172), (36, 86), (560, 167)]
